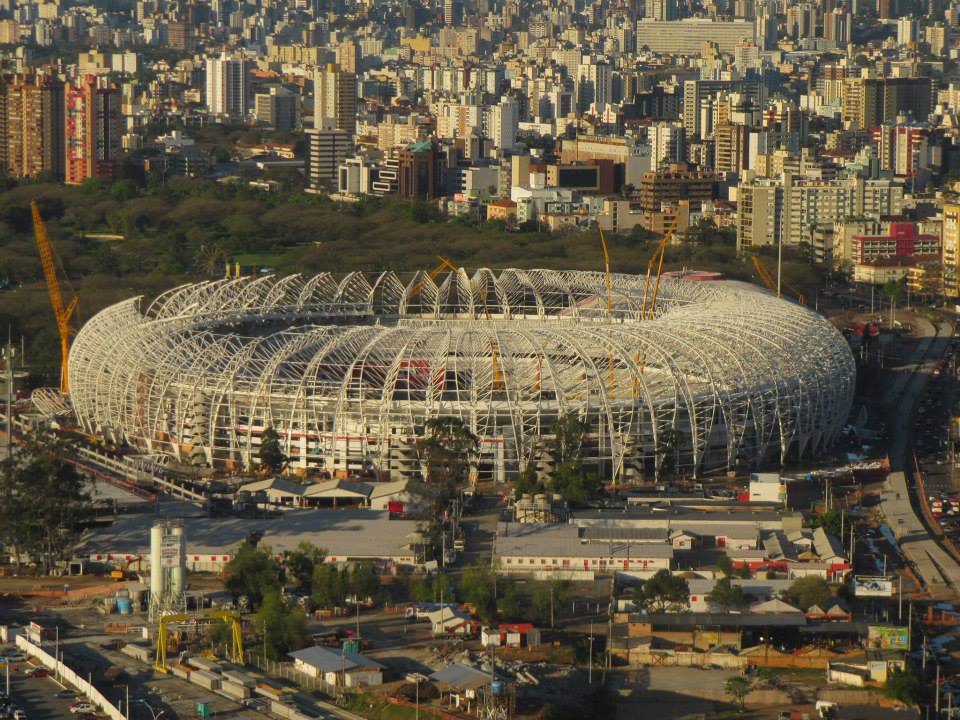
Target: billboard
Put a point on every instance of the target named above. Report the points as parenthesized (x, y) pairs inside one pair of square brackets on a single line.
[(883, 637), (872, 586)]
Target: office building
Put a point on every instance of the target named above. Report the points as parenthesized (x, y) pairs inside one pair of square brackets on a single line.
[(327, 150), (277, 108), (687, 36), (730, 147), (420, 172)]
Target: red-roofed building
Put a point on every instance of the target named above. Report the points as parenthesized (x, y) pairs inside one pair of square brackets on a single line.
[(902, 240), (504, 209)]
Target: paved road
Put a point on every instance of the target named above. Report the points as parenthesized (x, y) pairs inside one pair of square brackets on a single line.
[(938, 570), (37, 696)]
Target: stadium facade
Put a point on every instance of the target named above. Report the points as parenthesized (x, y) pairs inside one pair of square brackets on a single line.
[(349, 369)]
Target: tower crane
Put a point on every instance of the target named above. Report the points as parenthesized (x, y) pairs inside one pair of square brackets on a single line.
[(768, 280), (62, 314)]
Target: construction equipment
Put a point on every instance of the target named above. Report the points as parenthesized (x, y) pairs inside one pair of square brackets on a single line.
[(62, 314), (231, 617), (767, 279), (445, 264), (656, 258), (607, 280)]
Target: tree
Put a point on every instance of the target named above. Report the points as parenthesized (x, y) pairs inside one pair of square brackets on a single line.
[(902, 686), (831, 521), (285, 626), (808, 591), (363, 581), (664, 592), (271, 453), (448, 449), (894, 289), (253, 573), (45, 500), (476, 588), (728, 596), (328, 586), (566, 450), (738, 687), (299, 564), (725, 565)]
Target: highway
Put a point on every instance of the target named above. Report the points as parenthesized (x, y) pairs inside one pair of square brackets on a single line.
[(939, 571)]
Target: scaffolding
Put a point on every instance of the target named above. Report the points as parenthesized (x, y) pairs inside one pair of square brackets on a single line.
[(349, 369)]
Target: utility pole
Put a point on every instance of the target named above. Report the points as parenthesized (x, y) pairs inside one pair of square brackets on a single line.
[(900, 600), (590, 666), (9, 363), (551, 608), (357, 602), (937, 685)]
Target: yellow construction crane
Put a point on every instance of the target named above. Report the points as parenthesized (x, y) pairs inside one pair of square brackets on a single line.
[(656, 258), (445, 264), (768, 280), (606, 273), (231, 617), (62, 314)]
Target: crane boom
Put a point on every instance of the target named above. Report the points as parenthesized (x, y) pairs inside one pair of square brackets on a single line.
[(656, 258), (606, 276), (768, 280), (62, 314)]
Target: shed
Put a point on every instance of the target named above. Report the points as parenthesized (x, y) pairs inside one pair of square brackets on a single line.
[(338, 668), (277, 491), (461, 683), (337, 493)]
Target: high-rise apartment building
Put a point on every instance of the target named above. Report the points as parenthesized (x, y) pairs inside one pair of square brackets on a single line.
[(226, 87), (662, 10), (667, 144), (335, 100), (950, 242), (32, 126), (731, 142), (93, 128)]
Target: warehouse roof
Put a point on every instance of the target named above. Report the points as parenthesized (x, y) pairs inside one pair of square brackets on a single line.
[(461, 676), (695, 620), (536, 540), (343, 533), (595, 532), (338, 488)]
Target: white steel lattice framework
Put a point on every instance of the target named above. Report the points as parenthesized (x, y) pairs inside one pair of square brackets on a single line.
[(348, 370)]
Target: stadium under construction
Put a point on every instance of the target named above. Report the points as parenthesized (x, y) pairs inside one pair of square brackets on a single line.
[(704, 376)]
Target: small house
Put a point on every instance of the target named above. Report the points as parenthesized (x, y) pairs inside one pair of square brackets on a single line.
[(338, 667)]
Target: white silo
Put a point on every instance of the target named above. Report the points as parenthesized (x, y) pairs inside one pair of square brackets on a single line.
[(156, 564), (178, 567)]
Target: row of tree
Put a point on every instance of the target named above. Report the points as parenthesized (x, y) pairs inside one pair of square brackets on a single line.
[(44, 502), (666, 592)]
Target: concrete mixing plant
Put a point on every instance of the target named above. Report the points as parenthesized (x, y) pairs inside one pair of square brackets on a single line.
[(168, 568)]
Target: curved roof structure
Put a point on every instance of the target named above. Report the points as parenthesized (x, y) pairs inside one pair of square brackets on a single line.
[(349, 369)]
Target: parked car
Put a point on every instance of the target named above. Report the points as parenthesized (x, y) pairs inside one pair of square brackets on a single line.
[(37, 672), (82, 707)]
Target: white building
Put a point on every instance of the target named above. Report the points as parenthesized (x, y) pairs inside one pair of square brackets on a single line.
[(667, 144), (501, 122), (338, 668), (226, 86)]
